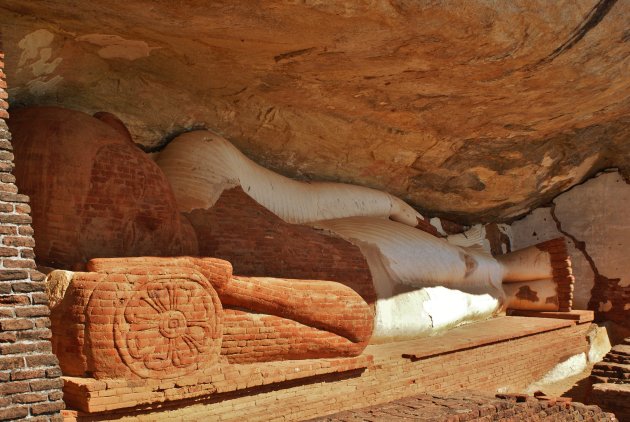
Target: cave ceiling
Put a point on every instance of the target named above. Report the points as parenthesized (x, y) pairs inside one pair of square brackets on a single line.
[(477, 111)]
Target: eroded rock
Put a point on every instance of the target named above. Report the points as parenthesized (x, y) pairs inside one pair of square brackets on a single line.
[(464, 109)]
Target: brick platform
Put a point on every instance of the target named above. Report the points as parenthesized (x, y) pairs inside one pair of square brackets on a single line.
[(506, 354), (472, 406), (611, 381), (93, 396)]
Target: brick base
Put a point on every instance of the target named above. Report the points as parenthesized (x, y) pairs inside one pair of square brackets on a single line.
[(610, 380), (471, 406), (505, 354)]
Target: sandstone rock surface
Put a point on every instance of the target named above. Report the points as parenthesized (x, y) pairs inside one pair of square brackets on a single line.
[(473, 110)]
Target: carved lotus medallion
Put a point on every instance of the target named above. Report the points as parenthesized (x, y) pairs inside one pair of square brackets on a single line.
[(168, 328)]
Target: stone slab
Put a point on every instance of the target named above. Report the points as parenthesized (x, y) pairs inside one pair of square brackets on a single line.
[(580, 316)]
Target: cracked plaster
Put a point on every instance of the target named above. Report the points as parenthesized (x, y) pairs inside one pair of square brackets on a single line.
[(593, 217)]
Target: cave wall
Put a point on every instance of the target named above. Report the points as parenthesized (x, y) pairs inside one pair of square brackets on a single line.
[(593, 217)]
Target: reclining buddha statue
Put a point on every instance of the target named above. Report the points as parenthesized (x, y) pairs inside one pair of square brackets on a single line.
[(130, 295), (422, 282)]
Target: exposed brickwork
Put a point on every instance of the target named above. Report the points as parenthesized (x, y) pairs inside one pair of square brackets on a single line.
[(425, 225), (94, 193), (471, 406), (251, 337), (562, 271), (509, 364), (162, 318), (611, 381), (30, 383), (256, 242)]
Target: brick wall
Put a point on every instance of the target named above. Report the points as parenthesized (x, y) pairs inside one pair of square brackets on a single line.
[(257, 243), (30, 383)]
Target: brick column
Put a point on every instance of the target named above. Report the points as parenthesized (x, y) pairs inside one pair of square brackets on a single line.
[(30, 383)]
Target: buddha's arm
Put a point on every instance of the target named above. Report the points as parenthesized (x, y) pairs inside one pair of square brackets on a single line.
[(325, 305), (200, 165)]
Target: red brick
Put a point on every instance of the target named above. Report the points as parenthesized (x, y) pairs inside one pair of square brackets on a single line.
[(40, 334), (15, 348), (26, 230), (14, 387), (19, 241), (26, 374), (267, 245), (28, 287), (50, 407), (6, 275), (41, 360), (53, 372), (33, 311), (40, 298), (14, 299), (12, 197), (36, 276), (8, 229), (30, 397), (47, 384), (15, 324), (7, 337), (4, 252), (13, 218), (27, 253), (5, 143), (16, 412), (55, 395), (23, 208), (11, 362), (18, 263)]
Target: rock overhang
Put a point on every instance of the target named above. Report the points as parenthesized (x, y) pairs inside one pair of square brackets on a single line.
[(477, 112)]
